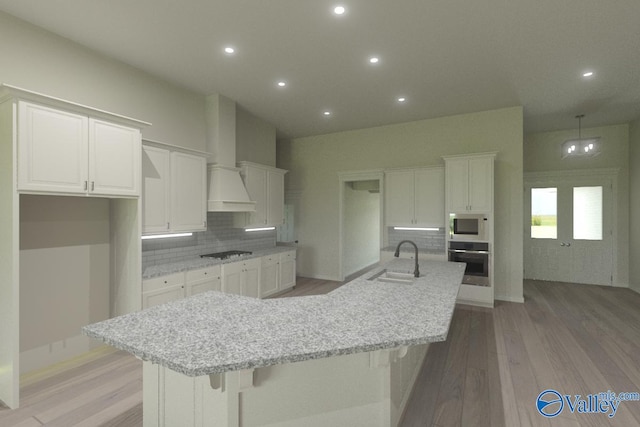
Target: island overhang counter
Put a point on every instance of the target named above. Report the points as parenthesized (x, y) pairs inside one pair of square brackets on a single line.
[(346, 358)]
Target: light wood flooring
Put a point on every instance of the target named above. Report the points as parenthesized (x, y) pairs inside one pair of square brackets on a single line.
[(577, 339)]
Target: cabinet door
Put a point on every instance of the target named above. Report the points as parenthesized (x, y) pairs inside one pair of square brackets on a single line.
[(188, 192), (232, 278), (269, 275), (457, 185), (287, 270), (155, 189), (114, 159), (481, 184), (203, 280), (161, 296), (429, 197), (52, 150), (251, 278), (256, 183), (275, 193), (399, 198)]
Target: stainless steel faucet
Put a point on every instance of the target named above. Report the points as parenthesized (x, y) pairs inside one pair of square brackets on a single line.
[(416, 271)]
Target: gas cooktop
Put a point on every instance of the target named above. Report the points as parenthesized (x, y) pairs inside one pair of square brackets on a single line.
[(226, 254)]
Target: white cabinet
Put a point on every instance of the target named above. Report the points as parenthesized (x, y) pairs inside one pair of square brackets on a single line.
[(469, 182), (265, 186), (174, 191), (66, 152), (270, 275), (242, 277), (163, 289), (203, 280), (414, 197), (287, 270), (188, 192)]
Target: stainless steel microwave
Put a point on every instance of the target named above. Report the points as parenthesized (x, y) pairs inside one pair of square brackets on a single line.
[(468, 227)]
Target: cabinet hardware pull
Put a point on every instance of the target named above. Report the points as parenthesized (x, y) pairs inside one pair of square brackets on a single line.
[(86, 185), (168, 226), (93, 185)]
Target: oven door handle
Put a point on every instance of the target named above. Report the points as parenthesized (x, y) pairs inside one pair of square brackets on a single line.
[(463, 251)]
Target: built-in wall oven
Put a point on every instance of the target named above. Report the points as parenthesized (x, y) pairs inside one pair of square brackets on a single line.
[(476, 256)]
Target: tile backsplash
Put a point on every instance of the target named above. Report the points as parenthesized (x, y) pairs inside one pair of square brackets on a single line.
[(220, 236), (430, 240)]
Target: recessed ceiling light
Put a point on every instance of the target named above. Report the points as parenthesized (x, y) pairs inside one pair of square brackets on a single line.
[(374, 60), (282, 83), (229, 50), (402, 99), (587, 74), (326, 113), (339, 10)]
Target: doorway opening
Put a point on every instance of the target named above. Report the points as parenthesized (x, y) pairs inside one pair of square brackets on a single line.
[(360, 223)]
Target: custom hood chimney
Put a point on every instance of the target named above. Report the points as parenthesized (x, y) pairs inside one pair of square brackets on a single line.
[(227, 192)]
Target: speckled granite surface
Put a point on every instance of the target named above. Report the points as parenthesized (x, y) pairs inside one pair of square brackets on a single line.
[(215, 332), (409, 249), (192, 264)]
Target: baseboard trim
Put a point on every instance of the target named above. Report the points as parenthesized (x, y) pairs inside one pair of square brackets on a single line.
[(321, 277), (509, 298), (476, 303)]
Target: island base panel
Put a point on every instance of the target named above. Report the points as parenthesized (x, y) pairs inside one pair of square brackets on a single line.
[(369, 389)]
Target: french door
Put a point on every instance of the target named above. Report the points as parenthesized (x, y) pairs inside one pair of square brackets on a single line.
[(568, 234)]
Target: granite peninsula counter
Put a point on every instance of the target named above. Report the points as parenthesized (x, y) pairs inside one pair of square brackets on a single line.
[(225, 348)]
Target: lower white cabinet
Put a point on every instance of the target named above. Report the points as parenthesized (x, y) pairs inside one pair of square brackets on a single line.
[(270, 275), (256, 277), (287, 270), (203, 280), (242, 277), (163, 289)]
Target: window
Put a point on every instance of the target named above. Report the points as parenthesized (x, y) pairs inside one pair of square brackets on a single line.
[(544, 213), (587, 213)]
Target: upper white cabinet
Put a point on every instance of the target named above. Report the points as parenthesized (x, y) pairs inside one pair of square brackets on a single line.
[(68, 152), (174, 191), (265, 186), (414, 197), (470, 183), (188, 192)]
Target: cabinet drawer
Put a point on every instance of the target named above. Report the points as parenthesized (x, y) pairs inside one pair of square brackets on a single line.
[(270, 260), (162, 282), (203, 273), (288, 256)]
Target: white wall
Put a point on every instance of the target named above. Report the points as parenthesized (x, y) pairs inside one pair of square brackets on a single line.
[(314, 163), (43, 62), (361, 229), (255, 139), (542, 152), (64, 274), (634, 205)]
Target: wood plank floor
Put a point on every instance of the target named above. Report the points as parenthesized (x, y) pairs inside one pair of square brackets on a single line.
[(576, 339)]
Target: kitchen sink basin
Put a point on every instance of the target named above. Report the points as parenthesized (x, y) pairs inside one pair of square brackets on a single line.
[(392, 277)]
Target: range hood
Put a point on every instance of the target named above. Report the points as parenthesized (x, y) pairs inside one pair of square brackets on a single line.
[(227, 192)]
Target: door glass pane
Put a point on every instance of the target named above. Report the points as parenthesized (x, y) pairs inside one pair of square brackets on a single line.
[(587, 213), (544, 213)]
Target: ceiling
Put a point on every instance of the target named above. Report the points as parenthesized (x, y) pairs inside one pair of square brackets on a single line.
[(445, 56)]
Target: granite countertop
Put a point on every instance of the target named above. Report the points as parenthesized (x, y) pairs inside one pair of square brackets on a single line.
[(195, 263), (214, 332)]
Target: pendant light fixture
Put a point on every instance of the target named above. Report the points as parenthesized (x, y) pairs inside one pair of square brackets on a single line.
[(581, 146)]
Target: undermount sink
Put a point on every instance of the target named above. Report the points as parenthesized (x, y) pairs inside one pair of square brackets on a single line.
[(392, 277)]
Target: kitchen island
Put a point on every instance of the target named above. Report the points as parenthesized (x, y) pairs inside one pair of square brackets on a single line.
[(347, 358)]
